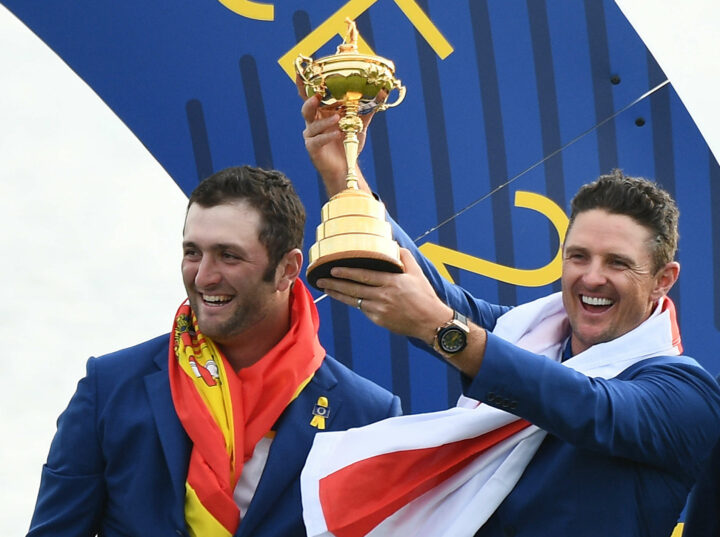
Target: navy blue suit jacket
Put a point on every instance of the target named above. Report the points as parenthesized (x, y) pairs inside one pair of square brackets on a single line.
[(118, 462)]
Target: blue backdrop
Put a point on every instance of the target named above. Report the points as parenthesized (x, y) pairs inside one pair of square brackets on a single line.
[(503, 98)]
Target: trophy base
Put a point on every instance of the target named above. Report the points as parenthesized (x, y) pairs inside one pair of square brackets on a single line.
[(366, 260)]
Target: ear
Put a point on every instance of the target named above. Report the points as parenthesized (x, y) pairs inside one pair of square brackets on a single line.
[(288, 269), (665, 279)]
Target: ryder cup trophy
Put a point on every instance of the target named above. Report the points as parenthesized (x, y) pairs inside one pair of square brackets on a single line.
[(354, 231)]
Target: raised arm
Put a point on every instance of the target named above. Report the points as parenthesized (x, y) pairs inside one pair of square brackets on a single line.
[(414, 303)]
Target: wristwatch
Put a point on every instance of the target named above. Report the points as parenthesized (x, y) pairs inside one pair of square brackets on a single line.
[(451, 337)]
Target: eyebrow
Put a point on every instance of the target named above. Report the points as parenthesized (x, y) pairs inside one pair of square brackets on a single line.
[(620, 257), (217, 247), (612, 255), (574, 248)]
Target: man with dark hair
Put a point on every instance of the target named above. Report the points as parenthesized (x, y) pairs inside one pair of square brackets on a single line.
[(203, 432), (639, 199), (593, 423), (268, 191)]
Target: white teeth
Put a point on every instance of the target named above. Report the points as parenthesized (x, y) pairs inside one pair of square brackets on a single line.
[(216, 299), (596, 301)]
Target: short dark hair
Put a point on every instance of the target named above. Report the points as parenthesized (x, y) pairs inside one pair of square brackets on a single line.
[(268, 191), (642, 200)]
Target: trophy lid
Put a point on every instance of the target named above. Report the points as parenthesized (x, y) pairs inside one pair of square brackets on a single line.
[(347, 51)]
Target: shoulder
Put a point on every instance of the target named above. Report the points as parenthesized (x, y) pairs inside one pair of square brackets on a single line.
[(348, 377), (147, 348), (363, 392), (131, 362), (683, 380), (680, 368), (676, 376)]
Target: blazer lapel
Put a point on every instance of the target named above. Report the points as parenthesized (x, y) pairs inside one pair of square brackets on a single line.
[(292, 442), (175, 442)]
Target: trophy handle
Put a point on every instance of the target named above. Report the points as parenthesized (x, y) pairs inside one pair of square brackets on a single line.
[(302, 64), (397, 85), (300, 68)]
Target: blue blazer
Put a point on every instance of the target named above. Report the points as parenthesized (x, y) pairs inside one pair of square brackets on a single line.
[(118, 462)]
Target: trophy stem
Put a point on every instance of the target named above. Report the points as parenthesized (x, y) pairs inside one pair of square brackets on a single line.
[(351, 124)]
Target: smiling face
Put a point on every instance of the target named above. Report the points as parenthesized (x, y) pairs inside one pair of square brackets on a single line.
[(609, 283), (223, 267)]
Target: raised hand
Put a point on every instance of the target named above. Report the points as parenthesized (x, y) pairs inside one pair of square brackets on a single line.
[(324, 142)]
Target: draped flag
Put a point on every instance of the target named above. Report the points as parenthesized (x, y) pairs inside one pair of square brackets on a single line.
[(445, 473)]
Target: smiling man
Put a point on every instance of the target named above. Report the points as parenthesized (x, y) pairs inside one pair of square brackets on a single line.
[(593, 423), (203, 431)]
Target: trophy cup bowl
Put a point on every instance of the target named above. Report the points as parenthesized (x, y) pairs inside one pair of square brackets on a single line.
[(345, 77), (354, 231)]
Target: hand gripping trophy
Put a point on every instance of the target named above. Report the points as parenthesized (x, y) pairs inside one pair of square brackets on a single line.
[(354, 231)]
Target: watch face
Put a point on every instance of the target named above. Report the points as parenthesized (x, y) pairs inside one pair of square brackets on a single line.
[(452, 340)]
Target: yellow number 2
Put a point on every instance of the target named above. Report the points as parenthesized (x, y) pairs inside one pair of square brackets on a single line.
[(441, 256)]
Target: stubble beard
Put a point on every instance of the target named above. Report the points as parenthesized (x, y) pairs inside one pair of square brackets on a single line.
[(224, 331)]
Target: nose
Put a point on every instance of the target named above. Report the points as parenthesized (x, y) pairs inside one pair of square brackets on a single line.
[(207, 273), (594, 275)]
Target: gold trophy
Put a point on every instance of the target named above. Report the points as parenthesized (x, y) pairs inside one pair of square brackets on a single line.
[(354, 231)]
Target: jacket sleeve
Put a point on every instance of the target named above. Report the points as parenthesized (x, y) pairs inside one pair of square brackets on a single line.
[(663, 411), (479, 311), (72, 492)]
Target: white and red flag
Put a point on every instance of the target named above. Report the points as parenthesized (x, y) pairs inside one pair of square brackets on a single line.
[(445, 473)]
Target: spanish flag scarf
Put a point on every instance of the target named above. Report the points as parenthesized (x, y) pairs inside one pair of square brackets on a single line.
[(226, 413)]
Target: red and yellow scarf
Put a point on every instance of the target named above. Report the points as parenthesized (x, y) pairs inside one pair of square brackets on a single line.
[(226, 413)]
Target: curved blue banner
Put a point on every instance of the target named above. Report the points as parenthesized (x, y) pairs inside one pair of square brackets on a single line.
[(510, 107)]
